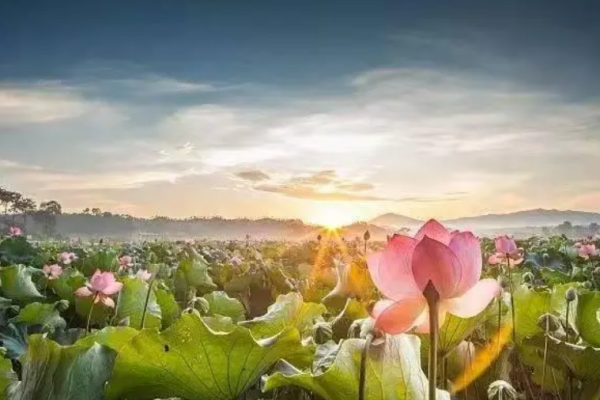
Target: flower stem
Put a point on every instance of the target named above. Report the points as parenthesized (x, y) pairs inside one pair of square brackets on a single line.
[(89, 319), (545, 352), (146, 304), (433, 297), (363, 367), (512, 299)]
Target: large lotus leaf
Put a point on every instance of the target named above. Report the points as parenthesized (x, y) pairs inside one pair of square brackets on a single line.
[(7, 378), (582, 361), (554, 276), (14, 339), (46, 315), (100, 313), (456, 329), (114, 337), (190, 360), (555, 376), (131, 303), (17, 250), (531, 304), (393, 371), (353, 310), (104, 259), (537, 261), (588, 317), (221, 304), (67, 283), (17, 284), (169, 308), (53, 372), (289, 310), (195, 272), (7, 310)]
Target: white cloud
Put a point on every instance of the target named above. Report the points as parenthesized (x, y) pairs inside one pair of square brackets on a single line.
[(412, 133)]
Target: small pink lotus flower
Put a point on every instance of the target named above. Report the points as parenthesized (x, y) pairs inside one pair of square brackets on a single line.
[(451, 261), (52, 272), (14, 231), (236, 260), (506, 252), (67, 258), (586, 250), (144, 275), (125, 262), (101, 286)]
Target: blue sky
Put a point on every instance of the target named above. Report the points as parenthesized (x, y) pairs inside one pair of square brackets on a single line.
[(319, 110)]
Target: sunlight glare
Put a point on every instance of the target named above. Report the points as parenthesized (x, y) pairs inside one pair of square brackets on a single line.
[(333, 215)]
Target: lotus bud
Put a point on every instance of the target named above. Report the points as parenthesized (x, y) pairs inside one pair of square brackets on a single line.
[(588, 285), (571, 295), (367, 235), (502, 390), (528, 277), (596, 271), (549, 320), (61, 306), (322, 332), (319, 237), (124, 322)]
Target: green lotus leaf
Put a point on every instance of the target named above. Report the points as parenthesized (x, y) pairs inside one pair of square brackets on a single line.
[(8, 378), (221, 304), (353, 310), (555, 376), (14, 339), (588, 317), (17, 284), (67, 283), (46, 315), (393, 371), (531, 304), (114, 337), (456, 329), (169, 308), (554, 277), (104, 259), (194, 270), (581, 361), (53, 372), (100, 313), (289, 310), (131, 303), (191, 361)]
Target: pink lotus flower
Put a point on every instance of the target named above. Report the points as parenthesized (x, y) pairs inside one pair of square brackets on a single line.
[(586, 250), (125, 262), (451, 261), (506, 252), (67, 258), (14, 231), (237, 261), (52, 272), (143, 274), (101, 286)]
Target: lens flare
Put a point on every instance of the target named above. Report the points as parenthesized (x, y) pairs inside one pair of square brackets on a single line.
[(483, 359)]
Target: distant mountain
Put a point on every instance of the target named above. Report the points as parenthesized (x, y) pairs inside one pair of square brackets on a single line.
[(395, 221), (527, 218), (519, 219)]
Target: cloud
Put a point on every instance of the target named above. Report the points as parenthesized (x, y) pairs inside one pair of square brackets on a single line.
[(253, 175), (395, 134)]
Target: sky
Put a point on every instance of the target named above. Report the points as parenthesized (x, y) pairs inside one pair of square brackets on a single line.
[(322, 110)]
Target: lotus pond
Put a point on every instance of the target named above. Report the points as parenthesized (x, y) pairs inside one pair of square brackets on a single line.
[(209, 320)]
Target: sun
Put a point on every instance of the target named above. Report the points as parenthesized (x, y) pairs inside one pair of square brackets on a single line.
[(332, 216)]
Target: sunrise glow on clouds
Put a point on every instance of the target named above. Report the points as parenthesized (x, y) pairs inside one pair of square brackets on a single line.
[(421, 139)]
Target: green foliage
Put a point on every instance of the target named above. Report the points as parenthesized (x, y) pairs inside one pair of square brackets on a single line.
[(221, 304), (189, 360), (393, 372), (131, 303), (18, 285)]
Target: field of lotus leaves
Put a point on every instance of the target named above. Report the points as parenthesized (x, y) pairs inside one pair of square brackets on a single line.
[(211, 320)]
